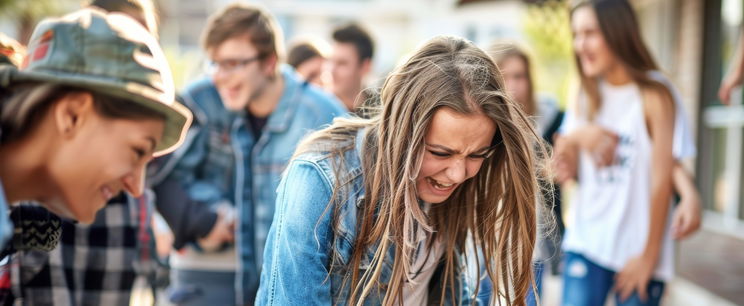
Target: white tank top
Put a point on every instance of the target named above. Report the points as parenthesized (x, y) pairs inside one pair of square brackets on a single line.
[(611, 209)]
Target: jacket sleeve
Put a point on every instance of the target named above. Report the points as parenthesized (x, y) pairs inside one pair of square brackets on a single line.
[(296, 259), (188, 218)]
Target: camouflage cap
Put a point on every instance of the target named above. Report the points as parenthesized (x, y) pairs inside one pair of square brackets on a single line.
[(108, 53)]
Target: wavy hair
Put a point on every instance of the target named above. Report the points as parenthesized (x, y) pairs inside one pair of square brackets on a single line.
[(495, 209)]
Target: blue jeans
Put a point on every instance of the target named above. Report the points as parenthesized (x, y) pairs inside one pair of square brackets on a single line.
[(587, 284), (201, 288), (486, 287), (537, 268)]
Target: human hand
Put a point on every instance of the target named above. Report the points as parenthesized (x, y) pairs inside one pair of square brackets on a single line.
[(565, 159), (727, 86), (601, 144), (635, 276), (686, 217), (222, 232)]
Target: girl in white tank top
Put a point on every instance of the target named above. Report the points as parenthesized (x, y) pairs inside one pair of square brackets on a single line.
[(617, 235)]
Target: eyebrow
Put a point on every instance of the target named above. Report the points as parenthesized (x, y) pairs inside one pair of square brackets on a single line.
[(450, 151)]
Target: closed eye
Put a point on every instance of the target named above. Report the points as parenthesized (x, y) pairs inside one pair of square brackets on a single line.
[(139, 152), (479, 156), (439, 154)]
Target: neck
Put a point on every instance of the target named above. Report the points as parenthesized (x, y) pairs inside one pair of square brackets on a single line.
[(349, 97), (617, 76), (22, 170), (266, 101)]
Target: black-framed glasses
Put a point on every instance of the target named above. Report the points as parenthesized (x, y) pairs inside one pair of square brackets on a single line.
[(230, 65)]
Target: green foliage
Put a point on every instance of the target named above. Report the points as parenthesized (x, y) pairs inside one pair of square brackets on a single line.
[(548, 31), (26, 13)]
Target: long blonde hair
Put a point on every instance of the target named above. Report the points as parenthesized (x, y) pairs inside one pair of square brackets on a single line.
[(496, 207)]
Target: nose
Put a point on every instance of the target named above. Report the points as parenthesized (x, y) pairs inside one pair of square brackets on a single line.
[(134, 183), (579, 42), (457, 171)]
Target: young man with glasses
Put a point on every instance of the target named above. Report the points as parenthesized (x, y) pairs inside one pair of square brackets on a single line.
[(251, 113)]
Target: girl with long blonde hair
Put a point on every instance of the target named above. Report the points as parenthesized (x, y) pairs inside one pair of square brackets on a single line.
[(389, 210)]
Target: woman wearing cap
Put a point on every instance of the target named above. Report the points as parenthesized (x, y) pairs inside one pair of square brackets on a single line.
[(91, 105)]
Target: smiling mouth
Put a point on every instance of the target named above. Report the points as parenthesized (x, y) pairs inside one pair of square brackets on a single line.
[(440, 186)]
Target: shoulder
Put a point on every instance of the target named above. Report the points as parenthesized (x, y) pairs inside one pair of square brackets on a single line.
[(315, 99), (311, 98), (323, 155), (199, 87), (657, 101), (202, 97)]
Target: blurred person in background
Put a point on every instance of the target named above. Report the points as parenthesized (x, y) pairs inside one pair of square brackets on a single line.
[(628, 123), (219, 197), (350, 63), (735, 75), (306, 58), (515, 67)]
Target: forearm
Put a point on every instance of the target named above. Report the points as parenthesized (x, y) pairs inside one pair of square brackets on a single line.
[(659, 210), (683, 183), (189, 220), (737, 68), (574, 139)]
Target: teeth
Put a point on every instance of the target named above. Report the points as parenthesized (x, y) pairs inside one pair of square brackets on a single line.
[(440, 185)]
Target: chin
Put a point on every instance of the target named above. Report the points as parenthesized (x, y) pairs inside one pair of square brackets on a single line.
[(233, 106), (59, 208), (433, 199)]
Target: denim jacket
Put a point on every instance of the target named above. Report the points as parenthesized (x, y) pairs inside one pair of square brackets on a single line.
[(224, 163), (6, 226), (302, 247)]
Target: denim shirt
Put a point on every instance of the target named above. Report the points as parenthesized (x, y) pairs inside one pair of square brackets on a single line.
[(304, 260), (6, 226), (224, 163)]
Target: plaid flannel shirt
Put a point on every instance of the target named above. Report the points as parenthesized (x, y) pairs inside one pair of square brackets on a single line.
[(93, 264)]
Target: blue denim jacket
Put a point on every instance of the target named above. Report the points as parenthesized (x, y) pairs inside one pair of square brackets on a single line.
[(6, 226), (224, 162), (302, 246)]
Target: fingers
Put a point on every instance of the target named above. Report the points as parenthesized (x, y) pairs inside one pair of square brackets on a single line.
[(622, 286), (724, 93), (640, 287), (678, 220), (686, 220)]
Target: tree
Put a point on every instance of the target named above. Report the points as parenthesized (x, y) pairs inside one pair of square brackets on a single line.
[(548, 30), (26, 13)]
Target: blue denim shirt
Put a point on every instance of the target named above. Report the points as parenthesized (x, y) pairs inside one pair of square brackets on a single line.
[(6, 226), (224, 162), (304, 259)]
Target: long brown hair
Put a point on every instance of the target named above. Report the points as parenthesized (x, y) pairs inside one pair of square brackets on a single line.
[(500, 52), (619, 27), (495, 210)]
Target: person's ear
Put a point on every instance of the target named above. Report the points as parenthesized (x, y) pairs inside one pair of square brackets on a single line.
[(269, 64), (71, 112)]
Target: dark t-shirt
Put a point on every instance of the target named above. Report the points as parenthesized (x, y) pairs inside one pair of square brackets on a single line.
[(257, 124)]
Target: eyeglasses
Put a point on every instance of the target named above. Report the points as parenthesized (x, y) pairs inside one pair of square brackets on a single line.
[(230, 65)]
